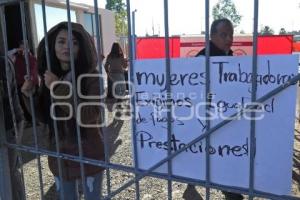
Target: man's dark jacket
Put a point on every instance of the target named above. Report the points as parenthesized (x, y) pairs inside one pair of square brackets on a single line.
[(214, 51)]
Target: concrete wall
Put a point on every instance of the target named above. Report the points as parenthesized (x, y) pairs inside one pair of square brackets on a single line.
[(108, 30)]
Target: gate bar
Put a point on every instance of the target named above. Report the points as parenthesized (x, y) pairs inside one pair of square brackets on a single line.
[(59, 161), (101, 90), (207, 99), (5, 180), (253, 99), (75, 100), (4, 33), (132, 99), (28, 73), (169, 94)]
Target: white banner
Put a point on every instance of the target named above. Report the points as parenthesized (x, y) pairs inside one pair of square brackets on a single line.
[(230, 80)]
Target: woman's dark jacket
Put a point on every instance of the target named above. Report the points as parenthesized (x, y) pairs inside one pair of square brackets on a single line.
[(91, 137)]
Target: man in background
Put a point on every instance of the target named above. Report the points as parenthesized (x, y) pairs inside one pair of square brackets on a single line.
[(221, 38)]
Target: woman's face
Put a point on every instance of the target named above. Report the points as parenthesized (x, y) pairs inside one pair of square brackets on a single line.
[(61, 47)]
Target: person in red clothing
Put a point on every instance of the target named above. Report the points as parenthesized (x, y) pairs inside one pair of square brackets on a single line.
[(18, 58)]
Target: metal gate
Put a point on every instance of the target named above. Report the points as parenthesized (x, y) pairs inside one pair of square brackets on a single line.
[(126, 171)]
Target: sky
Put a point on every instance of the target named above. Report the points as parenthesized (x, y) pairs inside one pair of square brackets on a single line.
[(51, 21), (187, 16)]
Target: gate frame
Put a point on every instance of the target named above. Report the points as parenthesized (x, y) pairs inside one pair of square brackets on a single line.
[(5, 189)]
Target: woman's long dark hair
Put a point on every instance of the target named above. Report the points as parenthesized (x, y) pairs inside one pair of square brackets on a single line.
[(86, 58), (116, 51), (85, 62)]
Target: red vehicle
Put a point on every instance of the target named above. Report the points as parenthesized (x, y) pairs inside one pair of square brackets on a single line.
[(296, 43), (188, 46)]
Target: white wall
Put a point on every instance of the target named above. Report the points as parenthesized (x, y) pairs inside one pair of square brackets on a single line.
[(108, 30)]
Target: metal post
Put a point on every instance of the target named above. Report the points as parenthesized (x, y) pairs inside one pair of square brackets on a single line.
[(208, 100), (4, 150), (59, 160), (133, 35), (253, 99), (24, 30), (75, 100), (5, 183), (132, 102), (101, 88), (169, 93)]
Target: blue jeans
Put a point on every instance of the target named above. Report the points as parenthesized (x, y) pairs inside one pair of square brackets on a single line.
[(92, 186)]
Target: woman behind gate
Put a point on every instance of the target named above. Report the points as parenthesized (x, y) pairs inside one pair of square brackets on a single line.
[(85, 61), (115, 67)]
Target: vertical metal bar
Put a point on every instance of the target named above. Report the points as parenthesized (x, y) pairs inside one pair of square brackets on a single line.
[(169, 106), (132, 100), (5, 181), (31, 97), (134, 36), (102, 111), (59, 161), (101, 35), (208, 100), (75, 100), (4, 33), (92, 20), (253, 99), (5, 174)]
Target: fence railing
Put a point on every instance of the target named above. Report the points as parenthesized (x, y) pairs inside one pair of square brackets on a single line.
[(37, 151)]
